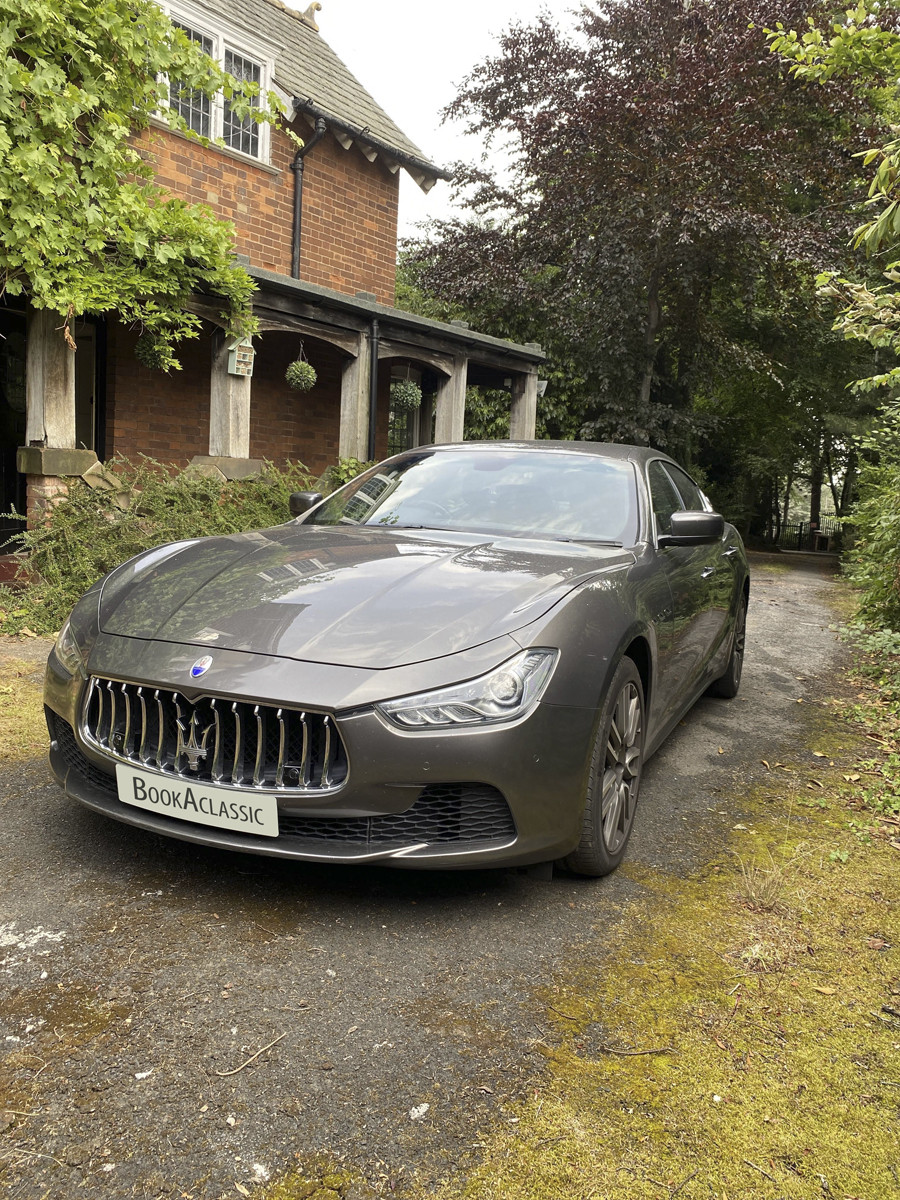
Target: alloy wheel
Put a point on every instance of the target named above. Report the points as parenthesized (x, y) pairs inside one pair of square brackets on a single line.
[(622, 769)]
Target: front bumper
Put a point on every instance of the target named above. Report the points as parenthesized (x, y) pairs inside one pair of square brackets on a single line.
[(506, 796)]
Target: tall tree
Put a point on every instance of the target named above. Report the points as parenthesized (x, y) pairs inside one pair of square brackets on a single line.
[(83, 228), (667, 171), (860, 47)]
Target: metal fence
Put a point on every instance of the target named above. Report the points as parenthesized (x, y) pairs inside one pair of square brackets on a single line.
[(823, 538)]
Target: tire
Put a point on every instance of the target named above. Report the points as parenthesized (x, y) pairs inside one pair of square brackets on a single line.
[(728, 683), (615, 777)]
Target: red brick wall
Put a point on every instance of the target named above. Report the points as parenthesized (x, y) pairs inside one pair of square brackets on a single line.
[(149, 412), (285, 424), (167, 416), (350, 206), (349, 240)]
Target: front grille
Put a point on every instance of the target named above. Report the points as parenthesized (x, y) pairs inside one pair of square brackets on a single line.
[(444, 814), (460, 814), (231, 743)]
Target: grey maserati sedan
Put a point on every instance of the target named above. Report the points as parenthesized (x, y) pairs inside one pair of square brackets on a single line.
[(461, 659)]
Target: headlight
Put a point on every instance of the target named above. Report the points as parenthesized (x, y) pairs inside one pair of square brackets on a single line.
[(504, 694), (67, 649)]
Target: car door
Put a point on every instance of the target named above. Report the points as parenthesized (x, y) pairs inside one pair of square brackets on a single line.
[(717, 571), (690, 571)]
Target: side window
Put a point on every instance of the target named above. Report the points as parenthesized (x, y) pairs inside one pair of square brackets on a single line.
[(243, 134), (243, 54), (194, 107), (663, 496), (690, 493)]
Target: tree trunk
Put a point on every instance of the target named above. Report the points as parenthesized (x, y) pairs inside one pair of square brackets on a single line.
[(785, 513), (832, 480), (816, 478), (651, 333), (848, 490)]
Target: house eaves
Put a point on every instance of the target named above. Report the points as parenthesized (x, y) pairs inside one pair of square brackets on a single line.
[(363, 311), (308, 71)]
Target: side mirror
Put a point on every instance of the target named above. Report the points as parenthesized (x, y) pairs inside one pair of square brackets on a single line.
[(693, 529), (301, 502)]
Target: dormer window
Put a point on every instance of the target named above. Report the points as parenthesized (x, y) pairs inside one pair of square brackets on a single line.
[(247, 59)]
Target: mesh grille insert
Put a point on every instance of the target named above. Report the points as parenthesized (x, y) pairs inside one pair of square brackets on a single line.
[(444, 814)]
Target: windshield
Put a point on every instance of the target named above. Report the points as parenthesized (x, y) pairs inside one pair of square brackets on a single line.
[(514, 493)]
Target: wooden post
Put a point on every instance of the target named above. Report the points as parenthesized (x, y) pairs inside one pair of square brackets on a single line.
[(523, 411), (229, 406), (354, 431), (451, 403), (49, 383)]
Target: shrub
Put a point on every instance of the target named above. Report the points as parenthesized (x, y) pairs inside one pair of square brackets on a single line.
[(342, 472), (91, 532), (873, 564)]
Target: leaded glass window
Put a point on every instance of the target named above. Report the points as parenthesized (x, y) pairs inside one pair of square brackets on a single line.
[(192, 106), (243, 134)]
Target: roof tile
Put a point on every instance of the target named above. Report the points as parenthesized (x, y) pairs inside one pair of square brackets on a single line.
[(308, 69)]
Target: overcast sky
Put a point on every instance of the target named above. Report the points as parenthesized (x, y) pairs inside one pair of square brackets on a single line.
[(411, 55)]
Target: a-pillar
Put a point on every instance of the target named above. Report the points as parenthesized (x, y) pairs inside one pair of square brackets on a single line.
[(229, 420), (523, 411), (49, 456), (450, 405), (355, 381)]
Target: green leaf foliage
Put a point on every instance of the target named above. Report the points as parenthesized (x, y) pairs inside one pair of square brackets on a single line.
[(860, 46), (873, 563), (83, 227), (674, 190)]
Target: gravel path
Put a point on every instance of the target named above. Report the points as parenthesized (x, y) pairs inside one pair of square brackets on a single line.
[(178, 1021)]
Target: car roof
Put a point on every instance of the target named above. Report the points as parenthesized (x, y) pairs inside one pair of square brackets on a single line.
[(619, 450)]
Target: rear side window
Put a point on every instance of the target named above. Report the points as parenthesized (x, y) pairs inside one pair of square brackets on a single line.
[(664, 496), (688, 490)]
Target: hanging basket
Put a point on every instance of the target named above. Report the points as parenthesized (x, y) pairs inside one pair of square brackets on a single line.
[(150, 352), (301, 375), (405, 394)]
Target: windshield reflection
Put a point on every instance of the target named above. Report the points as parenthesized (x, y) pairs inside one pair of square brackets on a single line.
[(510, 493)]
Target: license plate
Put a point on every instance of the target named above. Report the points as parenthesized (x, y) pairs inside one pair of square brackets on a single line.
[(201, 803)]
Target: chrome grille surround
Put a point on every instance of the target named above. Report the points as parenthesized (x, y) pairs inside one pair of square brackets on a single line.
[(229, 743)]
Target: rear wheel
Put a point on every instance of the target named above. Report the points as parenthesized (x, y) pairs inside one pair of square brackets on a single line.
[(728, 683), (615, 777)]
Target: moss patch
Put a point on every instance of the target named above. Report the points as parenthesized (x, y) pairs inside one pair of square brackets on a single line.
[(317, 1179), (747, 1046)]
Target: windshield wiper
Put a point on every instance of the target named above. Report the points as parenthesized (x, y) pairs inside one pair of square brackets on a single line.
[(592, 541)]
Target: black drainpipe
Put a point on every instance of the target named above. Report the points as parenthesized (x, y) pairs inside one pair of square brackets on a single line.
[(374, 337), (297, 167)]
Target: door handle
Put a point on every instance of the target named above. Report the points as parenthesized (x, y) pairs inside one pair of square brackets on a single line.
[(730, 552), (707, 571)]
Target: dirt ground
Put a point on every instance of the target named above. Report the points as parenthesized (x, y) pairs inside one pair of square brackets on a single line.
[(182, 1022)]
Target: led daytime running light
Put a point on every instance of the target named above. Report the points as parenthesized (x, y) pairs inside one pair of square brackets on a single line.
[(505, 694)]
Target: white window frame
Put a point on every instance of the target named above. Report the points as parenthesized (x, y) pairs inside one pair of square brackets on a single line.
[(224, 37)]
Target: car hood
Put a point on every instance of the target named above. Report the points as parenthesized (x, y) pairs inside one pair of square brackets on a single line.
[(373, 598)]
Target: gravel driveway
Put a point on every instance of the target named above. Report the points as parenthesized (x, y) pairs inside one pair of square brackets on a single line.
[(178, 1021)]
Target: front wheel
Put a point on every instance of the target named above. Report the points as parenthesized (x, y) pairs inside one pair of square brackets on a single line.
[(615, 777)]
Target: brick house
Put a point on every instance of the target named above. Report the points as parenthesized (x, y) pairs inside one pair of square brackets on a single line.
[(317, 230)]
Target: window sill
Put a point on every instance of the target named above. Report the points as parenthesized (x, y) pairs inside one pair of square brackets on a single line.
[(226, 151)]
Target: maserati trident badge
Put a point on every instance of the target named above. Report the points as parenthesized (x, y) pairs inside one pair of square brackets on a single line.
[(201, 666)]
